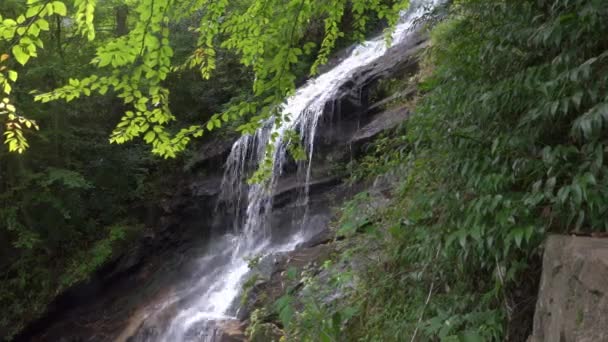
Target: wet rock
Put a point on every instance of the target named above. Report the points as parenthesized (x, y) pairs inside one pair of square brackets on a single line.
[(402, 58), (266, 291), (385, 103), (231, 331), (211, 151), (266, 332), (206, 187), (572, 303), (289, 189), (382, 122), (144, 333), (323, 236), (298, 260)]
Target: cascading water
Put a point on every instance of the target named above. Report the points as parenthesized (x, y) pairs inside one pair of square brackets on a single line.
[(200, 305)]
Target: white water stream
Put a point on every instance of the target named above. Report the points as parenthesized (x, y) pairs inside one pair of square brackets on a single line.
[(210, 298)]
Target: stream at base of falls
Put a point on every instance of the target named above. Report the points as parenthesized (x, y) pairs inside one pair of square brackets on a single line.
[(210, 295)]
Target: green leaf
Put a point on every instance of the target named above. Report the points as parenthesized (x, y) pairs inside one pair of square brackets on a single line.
[(577, 193), (149, 137), (471, 336), (550, 185), (291, 273), (33, 11), (59, 8), (12, 75), (21, 56), (42, 24), (285, 309), (577, 98)]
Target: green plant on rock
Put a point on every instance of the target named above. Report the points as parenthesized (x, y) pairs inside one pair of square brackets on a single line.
[(315, 307), (259, 330), (509, 142)]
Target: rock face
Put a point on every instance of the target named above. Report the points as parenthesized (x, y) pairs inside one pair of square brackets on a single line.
[(231, 331), (384, 121), (573, 298)]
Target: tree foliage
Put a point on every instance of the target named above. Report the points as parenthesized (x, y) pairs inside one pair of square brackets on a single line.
[(269, 37)]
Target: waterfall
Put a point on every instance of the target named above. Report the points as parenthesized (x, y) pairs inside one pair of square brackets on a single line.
[(305, 107), (209, 299)]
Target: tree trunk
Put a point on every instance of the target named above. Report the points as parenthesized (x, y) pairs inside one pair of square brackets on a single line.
[(122, 13)]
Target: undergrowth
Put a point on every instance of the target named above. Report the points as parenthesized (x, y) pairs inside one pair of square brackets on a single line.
[(508, 144)]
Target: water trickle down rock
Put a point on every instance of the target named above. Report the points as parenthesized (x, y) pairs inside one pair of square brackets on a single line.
[(253, 235)]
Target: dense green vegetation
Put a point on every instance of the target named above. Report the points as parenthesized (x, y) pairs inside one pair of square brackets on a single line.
[(72, 201), (69, 200), (270, 38), (508, 144)]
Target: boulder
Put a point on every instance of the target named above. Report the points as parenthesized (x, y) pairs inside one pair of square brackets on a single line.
[(573, 297), (232, 331), (267, 332), (381, 123)]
